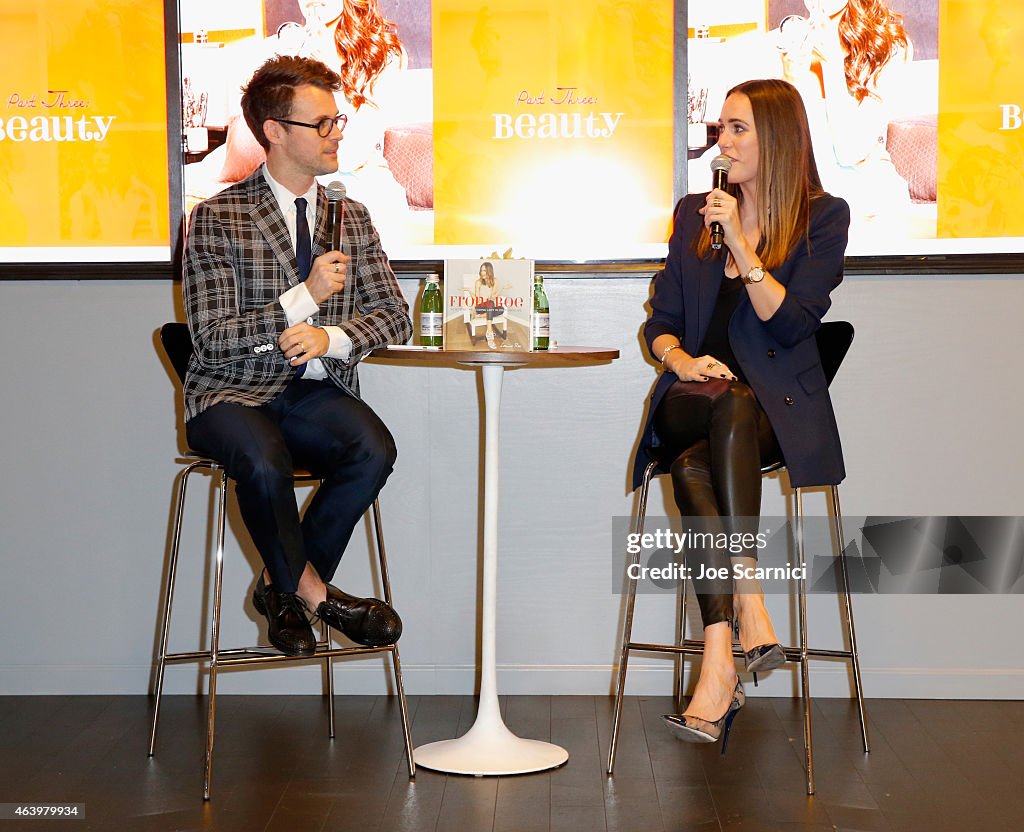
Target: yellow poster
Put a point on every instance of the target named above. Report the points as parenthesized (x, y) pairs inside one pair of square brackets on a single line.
[(981, 119), (549, 119), (83, 129)]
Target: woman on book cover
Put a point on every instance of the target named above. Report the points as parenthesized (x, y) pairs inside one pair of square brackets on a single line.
[(743, 383), (485, 292)]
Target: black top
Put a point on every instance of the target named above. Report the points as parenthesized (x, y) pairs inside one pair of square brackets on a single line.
[(716, 342)]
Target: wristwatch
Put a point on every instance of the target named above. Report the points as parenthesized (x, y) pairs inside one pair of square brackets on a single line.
[(755, 275)]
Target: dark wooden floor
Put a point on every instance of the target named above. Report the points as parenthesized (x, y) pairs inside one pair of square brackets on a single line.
[(934, 765)]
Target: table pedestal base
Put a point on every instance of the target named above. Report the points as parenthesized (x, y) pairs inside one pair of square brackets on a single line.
[(490, 749)]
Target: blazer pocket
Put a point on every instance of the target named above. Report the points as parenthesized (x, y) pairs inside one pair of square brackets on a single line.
[(812, 380)]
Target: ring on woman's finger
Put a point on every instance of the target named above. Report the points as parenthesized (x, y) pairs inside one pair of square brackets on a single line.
[(337, 268), (712, 365), (717, 203), (302, 347)]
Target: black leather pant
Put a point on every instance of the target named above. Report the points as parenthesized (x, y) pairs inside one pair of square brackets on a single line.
[(716, 437)]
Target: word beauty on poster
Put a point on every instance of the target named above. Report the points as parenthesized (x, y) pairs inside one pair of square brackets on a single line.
[(55, 128), (556, 126)]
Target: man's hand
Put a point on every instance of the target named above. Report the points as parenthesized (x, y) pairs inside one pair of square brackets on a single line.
[(327, 275), (302, 342)]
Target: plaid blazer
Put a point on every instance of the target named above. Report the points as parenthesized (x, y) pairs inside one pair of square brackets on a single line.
[(239, 260)]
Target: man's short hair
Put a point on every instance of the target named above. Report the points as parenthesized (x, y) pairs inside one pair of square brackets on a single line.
[(271, 90)]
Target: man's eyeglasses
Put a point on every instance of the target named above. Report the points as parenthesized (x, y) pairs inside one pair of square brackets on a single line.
[(322, 127)]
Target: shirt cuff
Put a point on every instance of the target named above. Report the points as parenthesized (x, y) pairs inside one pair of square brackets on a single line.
[(298, 304), (340, 344)]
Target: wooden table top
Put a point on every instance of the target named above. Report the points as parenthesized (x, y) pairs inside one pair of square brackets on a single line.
[(554, 357)]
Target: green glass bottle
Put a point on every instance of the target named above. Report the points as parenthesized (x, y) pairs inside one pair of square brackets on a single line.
[(431, 333), (540, 317)]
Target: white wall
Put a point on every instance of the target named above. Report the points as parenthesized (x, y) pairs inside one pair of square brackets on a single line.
[(928, 405)]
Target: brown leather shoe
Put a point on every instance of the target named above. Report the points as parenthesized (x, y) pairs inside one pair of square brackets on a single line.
[(367, 621), (287, 626)]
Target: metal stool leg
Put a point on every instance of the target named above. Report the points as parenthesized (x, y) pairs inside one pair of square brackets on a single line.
[(396, 662), (805, 676), (678, 689), (172, 573), (837, 518), (678, 665), (218, 585), (325, 636), (627, 628)]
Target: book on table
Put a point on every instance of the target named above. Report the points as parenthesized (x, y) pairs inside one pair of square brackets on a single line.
[(487, 304)]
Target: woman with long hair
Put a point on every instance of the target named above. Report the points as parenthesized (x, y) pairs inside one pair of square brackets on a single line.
[(743, 383), (847, 64), (352, 34), (353, 38)]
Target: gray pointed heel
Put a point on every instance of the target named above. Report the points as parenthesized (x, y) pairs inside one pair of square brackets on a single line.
[(695, 729)]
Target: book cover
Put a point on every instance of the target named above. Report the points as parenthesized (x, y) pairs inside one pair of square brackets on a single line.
[(487, 304)]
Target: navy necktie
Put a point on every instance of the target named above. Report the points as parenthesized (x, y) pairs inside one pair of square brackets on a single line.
[(303, 253), (303, 247)]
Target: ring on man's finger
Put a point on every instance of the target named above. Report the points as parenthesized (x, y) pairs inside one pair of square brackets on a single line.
[(337, 268)]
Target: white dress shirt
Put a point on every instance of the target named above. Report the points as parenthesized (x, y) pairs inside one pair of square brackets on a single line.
[(297, 302)]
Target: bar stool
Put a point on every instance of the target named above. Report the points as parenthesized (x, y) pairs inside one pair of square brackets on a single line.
[(834, 340), (178, 346)]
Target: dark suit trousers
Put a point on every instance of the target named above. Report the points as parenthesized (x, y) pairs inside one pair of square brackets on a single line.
[(312, 425)]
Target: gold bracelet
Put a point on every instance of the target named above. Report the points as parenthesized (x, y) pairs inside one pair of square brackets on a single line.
[(669, 349)]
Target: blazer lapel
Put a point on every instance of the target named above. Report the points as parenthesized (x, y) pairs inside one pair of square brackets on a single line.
[(266, 216), (320, 233)]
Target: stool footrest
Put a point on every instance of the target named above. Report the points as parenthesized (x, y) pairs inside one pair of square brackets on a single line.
[(692, 647), (255, 655)]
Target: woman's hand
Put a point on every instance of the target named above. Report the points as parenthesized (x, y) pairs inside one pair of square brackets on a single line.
[(796, 66), (701, 368), (823, 39), (723, 208)]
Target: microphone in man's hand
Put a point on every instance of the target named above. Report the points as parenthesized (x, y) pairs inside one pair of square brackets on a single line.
[(336, 213), (719, 179)]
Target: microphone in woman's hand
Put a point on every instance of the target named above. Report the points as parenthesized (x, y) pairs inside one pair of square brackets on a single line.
[(719, 179), (335, 212)]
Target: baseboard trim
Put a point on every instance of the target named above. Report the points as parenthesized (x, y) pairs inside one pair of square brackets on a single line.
[(373, 676)]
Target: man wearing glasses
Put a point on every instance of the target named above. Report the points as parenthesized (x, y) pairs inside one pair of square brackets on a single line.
[(279, 323)]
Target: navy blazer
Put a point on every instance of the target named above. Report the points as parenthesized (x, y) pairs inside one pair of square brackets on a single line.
[(779, 357)]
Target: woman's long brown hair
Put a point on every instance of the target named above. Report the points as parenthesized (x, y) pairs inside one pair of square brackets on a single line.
[(787, 176), (365, 41), (870, 34)]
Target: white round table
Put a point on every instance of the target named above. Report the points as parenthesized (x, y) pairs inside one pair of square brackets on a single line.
[(489, 747)]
